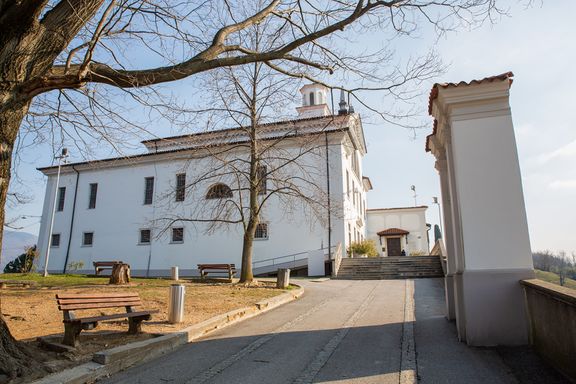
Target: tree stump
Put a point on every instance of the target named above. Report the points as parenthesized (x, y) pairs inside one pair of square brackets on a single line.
[(120, 274)]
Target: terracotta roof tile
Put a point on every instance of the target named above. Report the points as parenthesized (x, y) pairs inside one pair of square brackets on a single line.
[(392, 232), (434, 94)]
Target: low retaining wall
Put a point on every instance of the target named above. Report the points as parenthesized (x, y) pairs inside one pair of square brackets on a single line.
[(552, 315)]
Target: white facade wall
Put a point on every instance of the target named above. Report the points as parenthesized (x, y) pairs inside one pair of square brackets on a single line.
[(120, 214), (354, 195), (411, 219)]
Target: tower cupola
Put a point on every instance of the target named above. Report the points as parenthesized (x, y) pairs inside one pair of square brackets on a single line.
[(314, 101)]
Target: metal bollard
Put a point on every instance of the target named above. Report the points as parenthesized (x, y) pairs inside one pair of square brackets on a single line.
[(176, 303), (283, 280), (175, 275)]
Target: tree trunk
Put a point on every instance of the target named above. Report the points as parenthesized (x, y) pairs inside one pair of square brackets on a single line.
[(246, 275), (14, 361), (120, 274)]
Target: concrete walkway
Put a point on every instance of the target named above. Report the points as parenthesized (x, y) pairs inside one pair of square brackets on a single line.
[(339, 332)]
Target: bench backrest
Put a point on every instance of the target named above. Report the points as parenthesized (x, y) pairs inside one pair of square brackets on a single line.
[(74, 302), (216, 266), (105, 263)]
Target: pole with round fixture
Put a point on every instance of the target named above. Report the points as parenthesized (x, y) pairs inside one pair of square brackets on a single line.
[(435, 201), (61, 158)]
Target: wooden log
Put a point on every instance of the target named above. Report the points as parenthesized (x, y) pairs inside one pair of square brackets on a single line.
[(120, 274)]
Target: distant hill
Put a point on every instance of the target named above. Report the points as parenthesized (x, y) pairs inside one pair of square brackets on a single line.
[(14, 244)]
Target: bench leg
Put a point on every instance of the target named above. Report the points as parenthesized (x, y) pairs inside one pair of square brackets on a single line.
[(71, 332), (135, 324)]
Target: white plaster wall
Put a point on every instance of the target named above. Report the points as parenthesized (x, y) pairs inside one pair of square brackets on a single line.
[(412, 220), (120, 214), (354, 216), (490, 194)]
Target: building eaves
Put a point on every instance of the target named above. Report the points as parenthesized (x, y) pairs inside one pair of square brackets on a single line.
[(240, 130), (507, 76), (142, 156), (397, 208), (392, 232)]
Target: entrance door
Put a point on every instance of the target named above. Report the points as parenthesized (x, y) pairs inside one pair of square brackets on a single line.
[(393, 245)]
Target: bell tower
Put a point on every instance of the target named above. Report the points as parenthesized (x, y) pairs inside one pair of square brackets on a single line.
[(314, 101)]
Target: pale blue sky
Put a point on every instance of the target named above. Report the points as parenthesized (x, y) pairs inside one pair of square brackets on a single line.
[(537, 44)]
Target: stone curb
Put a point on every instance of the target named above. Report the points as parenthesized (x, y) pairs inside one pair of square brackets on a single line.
[(108, 362)]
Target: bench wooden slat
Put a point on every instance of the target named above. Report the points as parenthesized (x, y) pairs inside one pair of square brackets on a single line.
[(98, 300), (110, 317), (73, 307), (105, 263), (216, 265), (96, 295)]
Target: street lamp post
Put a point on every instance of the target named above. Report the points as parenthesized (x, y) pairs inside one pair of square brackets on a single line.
[(61, 158), (413, 188)]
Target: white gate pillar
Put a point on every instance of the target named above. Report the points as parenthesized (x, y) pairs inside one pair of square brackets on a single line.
[(447, 236), (488, 231)]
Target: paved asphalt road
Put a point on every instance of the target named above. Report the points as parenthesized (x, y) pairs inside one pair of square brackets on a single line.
[(339, 331)]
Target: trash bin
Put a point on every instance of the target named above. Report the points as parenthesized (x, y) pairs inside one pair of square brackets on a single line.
[(283, 280), (176, 303), (175, 275)]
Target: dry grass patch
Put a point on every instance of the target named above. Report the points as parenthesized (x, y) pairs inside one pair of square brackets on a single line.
[(33, 312)]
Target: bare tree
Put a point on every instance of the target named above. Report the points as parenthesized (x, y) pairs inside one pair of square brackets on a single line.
[(261, 162), (54, 53)]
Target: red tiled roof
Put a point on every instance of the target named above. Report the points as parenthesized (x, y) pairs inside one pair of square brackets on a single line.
[(392, 232), (434, 94)]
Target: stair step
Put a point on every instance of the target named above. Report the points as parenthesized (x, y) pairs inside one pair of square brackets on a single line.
[(388, 268)]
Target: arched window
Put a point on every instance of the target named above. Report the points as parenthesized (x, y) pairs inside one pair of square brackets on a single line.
[(311, 98), (219, 191)]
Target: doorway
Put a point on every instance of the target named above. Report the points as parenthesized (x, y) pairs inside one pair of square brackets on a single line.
[(393, 245)]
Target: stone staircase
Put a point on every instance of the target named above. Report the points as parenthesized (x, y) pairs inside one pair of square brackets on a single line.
[(385, 268)]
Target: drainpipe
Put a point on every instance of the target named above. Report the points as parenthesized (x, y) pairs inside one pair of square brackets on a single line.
[(329, 204), (71, 220)]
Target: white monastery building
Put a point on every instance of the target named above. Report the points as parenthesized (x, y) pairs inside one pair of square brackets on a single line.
[(399, 231), (152, 210)]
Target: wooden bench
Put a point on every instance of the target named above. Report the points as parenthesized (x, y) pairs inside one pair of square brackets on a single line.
[(205, 269), (99, 266), (69, 303)]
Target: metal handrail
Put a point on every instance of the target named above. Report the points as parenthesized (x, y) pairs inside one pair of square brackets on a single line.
[(293, 256)]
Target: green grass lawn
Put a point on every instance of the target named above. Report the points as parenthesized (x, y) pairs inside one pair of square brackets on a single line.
[(75, 280), (551, 277)]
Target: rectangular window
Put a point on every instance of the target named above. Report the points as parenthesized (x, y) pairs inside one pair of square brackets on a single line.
[(180, 186), (55, 240), (355, 165), (178, 235), (261, 174), (61, 197), (349, 234), (93, 192), (261, 231), (88, 239), (145, 235), (148, 190), (348, 184)]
